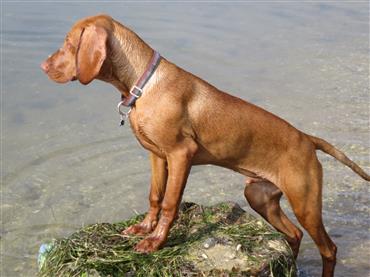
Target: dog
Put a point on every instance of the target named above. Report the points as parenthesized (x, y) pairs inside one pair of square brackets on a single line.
[(184, 121)]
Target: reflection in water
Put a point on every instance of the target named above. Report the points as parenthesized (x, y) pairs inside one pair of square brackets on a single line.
[(67, 164)]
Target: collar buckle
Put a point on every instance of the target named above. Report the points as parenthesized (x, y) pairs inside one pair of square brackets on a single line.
[(136, 91)]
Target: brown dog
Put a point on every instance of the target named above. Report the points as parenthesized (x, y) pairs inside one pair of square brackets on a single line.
[(184, 121)]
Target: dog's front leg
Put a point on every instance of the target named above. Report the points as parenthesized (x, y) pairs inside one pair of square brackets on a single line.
[(157, 190), (179, 163)]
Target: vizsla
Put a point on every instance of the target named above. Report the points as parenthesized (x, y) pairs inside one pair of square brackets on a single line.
[(184, 121)]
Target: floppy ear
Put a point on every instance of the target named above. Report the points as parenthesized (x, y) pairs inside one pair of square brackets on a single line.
[(91, 53)]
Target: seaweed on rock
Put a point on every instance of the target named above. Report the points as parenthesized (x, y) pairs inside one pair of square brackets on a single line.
[(221, 240)]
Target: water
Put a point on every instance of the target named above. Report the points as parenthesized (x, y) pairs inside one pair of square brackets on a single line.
[(67, 164)]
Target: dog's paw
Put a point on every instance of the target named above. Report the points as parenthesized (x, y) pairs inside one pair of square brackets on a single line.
[(149, 244), (139, 229)]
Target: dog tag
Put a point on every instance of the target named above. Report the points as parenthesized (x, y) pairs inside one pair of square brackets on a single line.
[(123, 114)]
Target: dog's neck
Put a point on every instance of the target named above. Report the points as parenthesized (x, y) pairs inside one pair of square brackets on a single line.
[(129, 58)]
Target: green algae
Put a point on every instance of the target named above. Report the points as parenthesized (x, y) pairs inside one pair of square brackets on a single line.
[(221, 240)]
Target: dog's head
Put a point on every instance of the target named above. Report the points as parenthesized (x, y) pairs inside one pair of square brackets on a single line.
[(83, 52)]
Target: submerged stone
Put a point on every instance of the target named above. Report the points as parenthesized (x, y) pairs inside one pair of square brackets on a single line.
[(221, 240)]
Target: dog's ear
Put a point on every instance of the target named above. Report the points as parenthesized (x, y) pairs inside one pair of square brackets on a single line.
[(91, 53)]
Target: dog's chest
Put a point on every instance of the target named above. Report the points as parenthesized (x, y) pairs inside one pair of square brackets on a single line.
[(139, 126)]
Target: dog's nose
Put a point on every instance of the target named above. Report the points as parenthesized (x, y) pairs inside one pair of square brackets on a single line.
[(45, 66)]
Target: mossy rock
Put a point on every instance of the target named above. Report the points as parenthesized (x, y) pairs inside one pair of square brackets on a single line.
[(221, 240)]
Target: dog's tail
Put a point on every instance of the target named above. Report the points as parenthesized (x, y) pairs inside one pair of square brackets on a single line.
[(339, 155)]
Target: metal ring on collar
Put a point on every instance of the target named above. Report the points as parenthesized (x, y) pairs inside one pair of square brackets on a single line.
[(122, 113)]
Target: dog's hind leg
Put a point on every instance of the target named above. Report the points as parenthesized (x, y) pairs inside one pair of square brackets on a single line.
[(303, 189), (264, 197), (157, 190)]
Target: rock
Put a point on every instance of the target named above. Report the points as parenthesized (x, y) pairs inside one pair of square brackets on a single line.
[(210, 242), (221, 240)]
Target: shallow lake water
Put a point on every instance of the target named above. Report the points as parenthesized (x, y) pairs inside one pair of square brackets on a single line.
[(66, 163)]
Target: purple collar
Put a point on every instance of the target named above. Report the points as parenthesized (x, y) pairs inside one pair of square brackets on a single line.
[(137, 90)]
